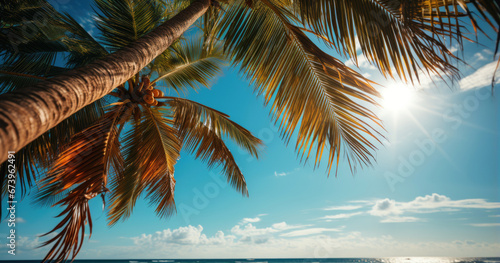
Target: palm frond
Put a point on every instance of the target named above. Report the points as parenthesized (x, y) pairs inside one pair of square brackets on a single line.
[(126, 189), (171, 8), (69, 241), (30, 51), (83, 169), (386, 37), (202, 130), (82, 46), (151, 150), (85, 159), (308, 88), (189, 65), (122, 22)]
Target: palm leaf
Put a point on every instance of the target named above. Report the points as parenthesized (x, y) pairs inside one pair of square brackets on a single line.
[(83, 168), (122, 22), (125, 190), (188, 65), (151, 150), (308, 88), (28, 45), (385, 37), (409, 35), (72, 228), (202, 130), (82, 47)]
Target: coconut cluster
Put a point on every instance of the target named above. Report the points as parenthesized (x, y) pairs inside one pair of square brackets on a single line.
[(149, 92)]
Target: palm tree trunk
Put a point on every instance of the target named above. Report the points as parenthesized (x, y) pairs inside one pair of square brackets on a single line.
[(27, 113)]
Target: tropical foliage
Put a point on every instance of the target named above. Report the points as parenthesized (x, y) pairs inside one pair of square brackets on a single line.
[(135, 142)]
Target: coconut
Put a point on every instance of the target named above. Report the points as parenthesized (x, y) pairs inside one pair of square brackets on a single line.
[(148, 99), (149, 92), (156, 92)]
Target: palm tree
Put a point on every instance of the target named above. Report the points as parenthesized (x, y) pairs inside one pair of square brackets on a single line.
[(151, 147)]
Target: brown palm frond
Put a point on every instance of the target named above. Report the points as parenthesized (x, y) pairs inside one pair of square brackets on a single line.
[(82, 169), (390, 32), (152, 148), (189, 113), (202, 130), (72, 226), (308, 89)]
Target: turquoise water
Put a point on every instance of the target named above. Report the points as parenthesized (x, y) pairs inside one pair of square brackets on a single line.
[(294, 260)]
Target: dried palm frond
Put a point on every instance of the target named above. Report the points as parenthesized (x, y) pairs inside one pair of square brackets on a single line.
[(82, 169)]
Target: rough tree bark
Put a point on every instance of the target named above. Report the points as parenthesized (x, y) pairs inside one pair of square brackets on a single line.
[(27, 113)]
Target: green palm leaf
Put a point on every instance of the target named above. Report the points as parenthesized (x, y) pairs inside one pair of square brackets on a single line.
[(122, 22), (151, 149), (82, 47), (188, 65)]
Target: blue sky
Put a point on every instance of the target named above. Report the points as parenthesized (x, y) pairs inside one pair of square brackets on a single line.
[(434, 190)]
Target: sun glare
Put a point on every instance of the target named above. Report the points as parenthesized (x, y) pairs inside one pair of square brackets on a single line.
[(396, 97)]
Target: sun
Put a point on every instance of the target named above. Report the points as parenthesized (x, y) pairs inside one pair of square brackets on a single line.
[(397, 97)]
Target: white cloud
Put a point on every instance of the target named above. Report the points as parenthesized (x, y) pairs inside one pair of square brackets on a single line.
[(391, 210), (250, 220), (486, 225), (454, 48), (343, 207), (480, 78), (478, 56), (341, 216), (250, 230), (358, 45), (400, 219), (324, 243), (280, 174), (188, 235), (284, 226), (247, 220), (385, 207), (310, 231)]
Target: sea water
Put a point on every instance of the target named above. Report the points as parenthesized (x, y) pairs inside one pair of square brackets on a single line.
[(292, 260)]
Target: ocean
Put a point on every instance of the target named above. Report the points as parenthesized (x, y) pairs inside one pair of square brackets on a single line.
[(293, 260)]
